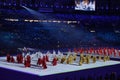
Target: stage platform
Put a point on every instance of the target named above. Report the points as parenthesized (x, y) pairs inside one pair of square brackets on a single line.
[(14, 71)]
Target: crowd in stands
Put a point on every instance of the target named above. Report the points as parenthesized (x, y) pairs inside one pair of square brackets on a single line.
[(59, 35), (47, 36)]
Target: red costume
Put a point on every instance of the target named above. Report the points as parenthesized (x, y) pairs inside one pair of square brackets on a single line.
[(12, 59), (75, 50), (105, 53), (54, 62), (115, 54), (47, 59), (39, 62), (8, 58), (44, 58), (119, 53), (27, 61), (44, 64), (19, 58)]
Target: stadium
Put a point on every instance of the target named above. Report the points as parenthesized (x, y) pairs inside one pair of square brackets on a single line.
[(59, 39)]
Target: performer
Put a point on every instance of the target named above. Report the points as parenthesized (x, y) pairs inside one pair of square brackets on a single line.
[(12, 59), (44, 58), (91, 57), (44, 64), (75, 50), (39, 62), (94, 59), (25, 51), (18, 58), (70, 59), (80, 63), (99, 58), (107, 58), (104, 59), (119, 53), (27, 61), (74, 57), (21, 58), (81, 56), (8, 57), (84, 60), (88, 59), (115, 54), (54, 62), (63, 59), (47, 59)]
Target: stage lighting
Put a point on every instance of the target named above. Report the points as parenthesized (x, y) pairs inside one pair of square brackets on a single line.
[(9, 4), (117, 8), (36, 5), (46, 5), (51, 5), (61, 6), (14, 4), (30, 5), (102, 8), (67, 6), (4, 4)]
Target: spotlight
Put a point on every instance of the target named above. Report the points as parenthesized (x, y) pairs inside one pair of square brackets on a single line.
[(36, 5), (14, 4), (9, 4), (116, 8), (4, 4)]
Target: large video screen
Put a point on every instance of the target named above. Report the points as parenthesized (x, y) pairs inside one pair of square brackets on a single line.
[(85, 5)]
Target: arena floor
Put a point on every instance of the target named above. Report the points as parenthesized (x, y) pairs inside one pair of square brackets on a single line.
[(60, 68)]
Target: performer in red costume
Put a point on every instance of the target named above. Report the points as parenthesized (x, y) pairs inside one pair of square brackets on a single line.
[(8, 57), (18, 58), (27, 61), (21, 58), (54, 62), (47, 59), (12, 59), (39, 62), (119, 53), (105, 53), (44, 58), (75, 50), (44, 63), (115, 54)]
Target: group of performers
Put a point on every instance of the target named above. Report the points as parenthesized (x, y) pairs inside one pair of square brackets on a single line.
[(10, 58), (85, 56), (27, 60), (99, 51)]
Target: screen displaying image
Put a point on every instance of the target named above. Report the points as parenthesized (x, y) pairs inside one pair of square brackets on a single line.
[(85, 5)]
